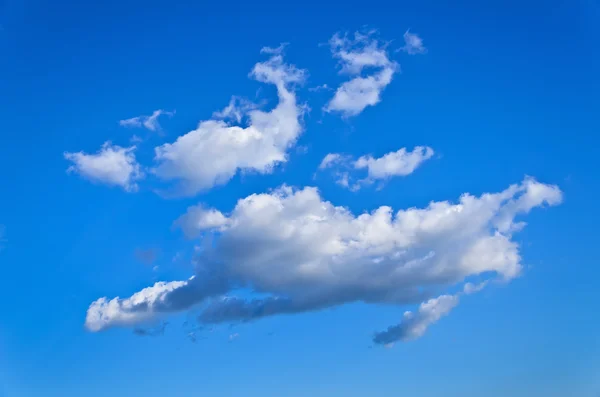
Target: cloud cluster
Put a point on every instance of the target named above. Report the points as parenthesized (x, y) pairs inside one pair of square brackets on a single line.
[(216, 150), (399, 163), (364, 58), (148, 122), (306, 254), (112, 165), (295, 251)]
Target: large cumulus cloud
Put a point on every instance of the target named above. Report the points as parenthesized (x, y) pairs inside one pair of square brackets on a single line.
[(303, 253)]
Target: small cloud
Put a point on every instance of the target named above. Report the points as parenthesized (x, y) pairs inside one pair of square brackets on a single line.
[(135, 139), (471, 288), (398, 163), (274, 50), (414, 325), (331, 159), (233, 337), (357, 55), (111, 165), (302, 149), (323, 87), (148, 122), (413, 44)]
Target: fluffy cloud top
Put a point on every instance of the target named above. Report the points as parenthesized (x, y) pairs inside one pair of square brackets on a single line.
[(212, 153), (111, 165), (148, 122), (399, 163), (362, 53), (306, 253)]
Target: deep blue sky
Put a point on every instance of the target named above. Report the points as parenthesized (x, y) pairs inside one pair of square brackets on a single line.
[(506, 89)]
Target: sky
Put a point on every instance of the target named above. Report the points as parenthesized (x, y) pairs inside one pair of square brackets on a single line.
[(291, 199)]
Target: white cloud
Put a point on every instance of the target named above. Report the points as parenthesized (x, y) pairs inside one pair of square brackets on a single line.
[(413, 44), (274, 50), (414, 325), (216, 150), (150, 303), (307, 254), (104, 313), (470, 288), (355, 56), (112, 165), (148, 122), (399, 163), (198, 219), (330, 159)]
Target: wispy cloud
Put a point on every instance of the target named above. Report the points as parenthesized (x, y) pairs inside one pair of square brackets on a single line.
[(322, 87), (148, 122), (274, 50), (413, 44), (236, 110)]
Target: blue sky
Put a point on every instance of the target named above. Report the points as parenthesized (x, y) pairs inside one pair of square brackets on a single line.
[(295, 293)]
